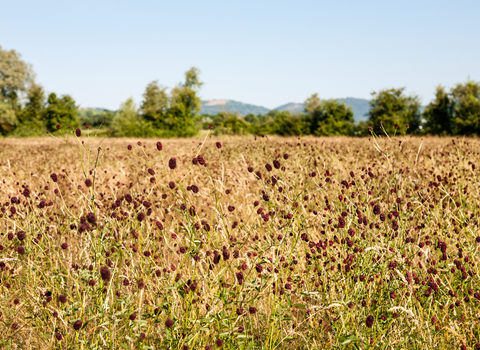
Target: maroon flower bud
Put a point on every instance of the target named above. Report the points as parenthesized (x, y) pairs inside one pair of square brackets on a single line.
[(172, 163), (62, 298), (159, 146), (169, 323), (58, 126), (87, 126), (132, 317), (171, 184), (88, 183), (54, 177), (105, 273), (210, 126), (78, 132), (369, 321), (140, 216), (218, 144), (58, 336), (151, 172), (77, 325), (21, 250), (129, 147)]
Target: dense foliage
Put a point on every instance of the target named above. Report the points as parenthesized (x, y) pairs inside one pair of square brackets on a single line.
[(24, 111)]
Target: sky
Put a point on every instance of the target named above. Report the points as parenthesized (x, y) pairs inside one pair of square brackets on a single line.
[(266, 53)]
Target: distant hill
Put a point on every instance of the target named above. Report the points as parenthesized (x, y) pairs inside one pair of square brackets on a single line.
[(359, 105), (215, 106)]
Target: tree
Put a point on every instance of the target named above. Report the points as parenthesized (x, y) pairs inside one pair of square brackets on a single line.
[(60, 111), (128, 123), (466, 108), (154, 107), (391, 107), (185, 105), (35, 104), (438, 113), (328, 117), (8, 120), (15, 76), (312, 109)]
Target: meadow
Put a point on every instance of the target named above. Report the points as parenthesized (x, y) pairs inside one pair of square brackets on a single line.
[(239, 243)]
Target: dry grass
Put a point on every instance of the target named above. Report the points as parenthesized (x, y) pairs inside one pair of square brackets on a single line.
[(294, 276)]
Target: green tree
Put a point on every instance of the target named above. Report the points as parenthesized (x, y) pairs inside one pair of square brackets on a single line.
[(328, 117), (230, 124), (438, 113), (15, 76), (466, 108), (185, 105), (127, 122), (35, 104), (391, 107), (313, 111), (8, 120), (154, 107), (60, 111)]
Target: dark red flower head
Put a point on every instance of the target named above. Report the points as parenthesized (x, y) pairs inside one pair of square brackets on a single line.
[(169, 323), (369, 321), (172, 163), (54, 177), (159, 146), (218, 144), (105, 273), (58, 126), (77, 325), (78, 132)]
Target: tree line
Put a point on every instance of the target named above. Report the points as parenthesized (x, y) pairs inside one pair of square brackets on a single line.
[(25, 110)]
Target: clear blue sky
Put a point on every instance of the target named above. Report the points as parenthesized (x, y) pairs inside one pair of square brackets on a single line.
[(262, 52)]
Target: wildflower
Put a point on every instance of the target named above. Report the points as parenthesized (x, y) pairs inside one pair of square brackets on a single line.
[(369, 321), (105, 273), (54, 177), (129, 147), (159, 146), (58, 336), (88, 183), (219, 343), (62, 298), (172, 163), (77, 325), (218, 144), (78, 132), (151, 172), (132, 317), (169, 323)]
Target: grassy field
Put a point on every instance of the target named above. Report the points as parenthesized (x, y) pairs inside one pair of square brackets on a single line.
[(240, 243)]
